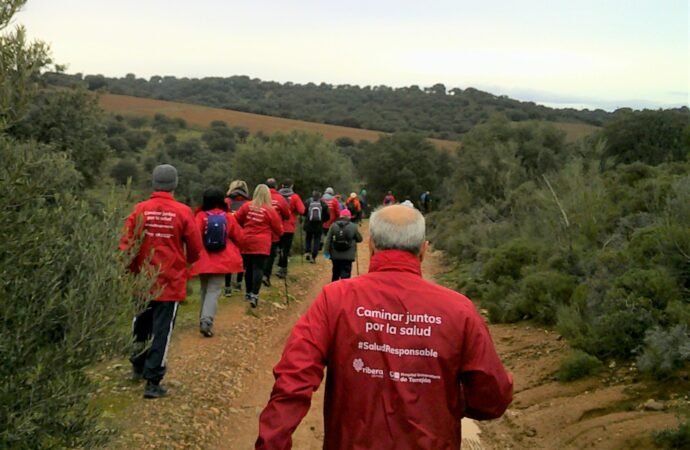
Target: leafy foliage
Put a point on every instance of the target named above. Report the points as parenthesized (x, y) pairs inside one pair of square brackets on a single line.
[(578, 365), (675, 438), (664, 351)]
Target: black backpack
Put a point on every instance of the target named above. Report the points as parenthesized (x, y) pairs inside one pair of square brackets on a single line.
[(340, 240), (315, 211), (216, 233)]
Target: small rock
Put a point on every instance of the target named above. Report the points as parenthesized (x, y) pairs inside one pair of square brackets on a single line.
[(612, 365), (531, 432), (653, 405), (174, 383)]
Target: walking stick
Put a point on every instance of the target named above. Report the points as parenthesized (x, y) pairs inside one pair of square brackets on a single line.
[(357, 260), (301, 241)]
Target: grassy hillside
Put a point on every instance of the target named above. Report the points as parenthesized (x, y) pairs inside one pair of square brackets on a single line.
[(202, 116)]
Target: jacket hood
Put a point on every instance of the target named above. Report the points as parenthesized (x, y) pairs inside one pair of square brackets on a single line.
[(286, 191), (395, 261), (327, 197)]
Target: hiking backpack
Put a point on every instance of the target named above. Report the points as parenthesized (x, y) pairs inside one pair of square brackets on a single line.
[(340, 239), (315, 211), (216, 233)]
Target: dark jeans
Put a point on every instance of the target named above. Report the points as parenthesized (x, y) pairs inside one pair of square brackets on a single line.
[(228, 278), (285, 246), (342, 269), (253, 272), (157, 322), (312, 243), (268, 267)]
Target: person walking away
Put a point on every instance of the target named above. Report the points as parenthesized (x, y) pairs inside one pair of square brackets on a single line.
[(333, 210), (237, 195), (281, 206), (354, 206), (316, 213), (296, 208), (341, 244), (221, 236), (169, 240), (259, 222), (363, 201), (388, 199), (406, 358), (426, 201)]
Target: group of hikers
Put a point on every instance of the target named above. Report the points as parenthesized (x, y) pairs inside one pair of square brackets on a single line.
[(406, 358)]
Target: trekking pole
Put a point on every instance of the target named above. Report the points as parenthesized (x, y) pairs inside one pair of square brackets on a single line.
[(301, 241), (357, 260)]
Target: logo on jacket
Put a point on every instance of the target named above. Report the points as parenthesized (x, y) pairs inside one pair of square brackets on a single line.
[(359, 366)]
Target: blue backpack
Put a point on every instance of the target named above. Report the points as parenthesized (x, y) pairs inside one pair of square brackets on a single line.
[(216, 233)]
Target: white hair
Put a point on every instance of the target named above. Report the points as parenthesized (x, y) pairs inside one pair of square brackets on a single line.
[(408, 237)]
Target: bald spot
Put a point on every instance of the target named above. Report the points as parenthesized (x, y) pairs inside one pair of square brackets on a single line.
[(398, 215)]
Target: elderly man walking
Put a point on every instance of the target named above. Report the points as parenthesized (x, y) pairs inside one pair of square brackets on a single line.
[(406, 358)]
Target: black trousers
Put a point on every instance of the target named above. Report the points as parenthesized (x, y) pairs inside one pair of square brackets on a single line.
[(156, 322), (312, 243), (228, 278), (285, 247), (270, 260), (342, 269), (254, 272)]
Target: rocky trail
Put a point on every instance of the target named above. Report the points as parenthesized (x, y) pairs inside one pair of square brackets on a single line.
[(218, 386)]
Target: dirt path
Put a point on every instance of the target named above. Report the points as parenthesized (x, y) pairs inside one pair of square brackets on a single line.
[(220, 385)]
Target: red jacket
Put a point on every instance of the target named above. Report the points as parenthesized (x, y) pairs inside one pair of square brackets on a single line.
[(280, 205), (227, 260), (388, 199), (407, 359), (296, 207), (333, 212), (170, 237), (259, 225)]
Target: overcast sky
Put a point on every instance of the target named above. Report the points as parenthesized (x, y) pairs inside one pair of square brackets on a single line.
[(585, 53)]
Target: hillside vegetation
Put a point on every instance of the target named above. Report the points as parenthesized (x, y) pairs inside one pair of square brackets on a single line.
[(434, 112)]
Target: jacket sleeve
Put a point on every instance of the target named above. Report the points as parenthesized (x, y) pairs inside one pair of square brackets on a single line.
[(235, 232), (298, 375), (276, 221), (128, 233), (486, 386), (284, 208), (297, 205), (192, 238), (241, 214), (327, 241), (358, 235)]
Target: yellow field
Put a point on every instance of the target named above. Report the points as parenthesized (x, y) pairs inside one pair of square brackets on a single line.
[(202, 116)]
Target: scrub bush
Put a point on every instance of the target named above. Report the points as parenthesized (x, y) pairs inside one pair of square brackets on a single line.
[(578, 365), (664, 351)]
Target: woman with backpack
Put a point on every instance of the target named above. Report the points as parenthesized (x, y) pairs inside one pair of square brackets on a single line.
[(222, 238), (341, 244), (237, 195), (259, 220), (316, 214)]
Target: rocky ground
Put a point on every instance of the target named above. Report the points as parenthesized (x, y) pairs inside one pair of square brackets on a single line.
[(218, 386)]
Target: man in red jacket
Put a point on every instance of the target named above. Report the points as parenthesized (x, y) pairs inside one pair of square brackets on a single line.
[(406, 358), (296, 207), (170, 241), (283, 209)]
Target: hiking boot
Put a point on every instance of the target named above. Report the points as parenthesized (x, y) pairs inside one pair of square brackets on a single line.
[(307, 256), (253, 300), (281, 272), (206, 329), (237, 286), (266, 281), (137, 373), (313, 260), (154, 390), (228, 291)]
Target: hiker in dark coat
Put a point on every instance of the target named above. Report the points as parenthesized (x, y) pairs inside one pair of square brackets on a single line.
[(315, 215), (341, 243)]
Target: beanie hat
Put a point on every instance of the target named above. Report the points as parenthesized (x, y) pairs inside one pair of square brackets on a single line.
[(345, 213), (330, 191), (353, 195), (164, 178)]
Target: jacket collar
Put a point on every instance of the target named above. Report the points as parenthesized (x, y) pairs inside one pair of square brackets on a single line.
[(395, 261), (163, 194)]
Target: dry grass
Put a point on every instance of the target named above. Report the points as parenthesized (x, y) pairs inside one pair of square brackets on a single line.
[(202, 116), (575, 131)]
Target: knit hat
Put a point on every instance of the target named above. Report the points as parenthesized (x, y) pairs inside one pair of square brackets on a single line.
[(330, 191), (408, 203), (164, 178), (345, 213), (353, 195)]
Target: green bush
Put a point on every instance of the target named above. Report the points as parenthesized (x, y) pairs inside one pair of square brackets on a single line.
[(65, 299), (123, 170), (578, 365), (542, 292), (674, 438), (509, 259), (664, 351)]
